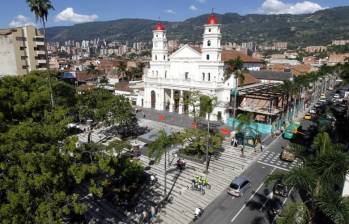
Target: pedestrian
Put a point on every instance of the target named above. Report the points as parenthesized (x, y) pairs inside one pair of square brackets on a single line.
[(262, 147), (242, 150), (143, 114)]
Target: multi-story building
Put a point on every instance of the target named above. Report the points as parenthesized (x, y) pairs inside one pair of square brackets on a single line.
[(312, 49), (340, 42), (22, 50), (280, 45)]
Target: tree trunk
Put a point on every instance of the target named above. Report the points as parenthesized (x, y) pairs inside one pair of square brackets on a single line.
[(165, 179), (48, 64), (208, 140)]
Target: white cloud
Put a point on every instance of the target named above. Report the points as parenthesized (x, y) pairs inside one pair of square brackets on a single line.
[(170, 11), (193, 8), (202, 1), (280, 7), (68, 15), (21, 20)]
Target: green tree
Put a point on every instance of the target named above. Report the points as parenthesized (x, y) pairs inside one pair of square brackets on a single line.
[(294, 213), (207, 105), (235, 66), (158, 148), (245, 122), (41, 8)]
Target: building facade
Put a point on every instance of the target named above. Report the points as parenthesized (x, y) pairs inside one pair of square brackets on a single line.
[(172, 78), (21, 50)]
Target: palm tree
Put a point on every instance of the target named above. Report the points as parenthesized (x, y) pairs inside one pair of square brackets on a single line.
[(158, 148), (41, 8), (334, 207), (207, 104), (245, 121), (235, 66), (294, 213)]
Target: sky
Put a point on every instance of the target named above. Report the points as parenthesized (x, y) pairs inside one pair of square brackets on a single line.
[(68, 12)]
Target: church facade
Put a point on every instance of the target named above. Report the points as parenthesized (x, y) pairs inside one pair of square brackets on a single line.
[(171, 79)]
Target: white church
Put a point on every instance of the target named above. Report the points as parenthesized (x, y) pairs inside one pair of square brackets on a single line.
[(171, 78)]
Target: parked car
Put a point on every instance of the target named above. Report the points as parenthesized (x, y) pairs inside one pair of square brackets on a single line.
[(312, 111), (307, 116), (287, 155), (239, 186), (280, 189), (336, 96)]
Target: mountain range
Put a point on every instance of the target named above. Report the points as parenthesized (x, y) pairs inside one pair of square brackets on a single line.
[(298, 30)]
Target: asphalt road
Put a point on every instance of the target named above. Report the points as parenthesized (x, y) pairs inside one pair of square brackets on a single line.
[(228, 209)]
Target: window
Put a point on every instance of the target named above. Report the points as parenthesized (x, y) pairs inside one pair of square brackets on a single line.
[(25, 67), (207, 57), (156, 35), (164, 57), (157, 72), (24, 57), (165, 74), (203, 76), (156, 57), (209, 30), (208, 43), (209, 76), (23, 48), (186, 75)]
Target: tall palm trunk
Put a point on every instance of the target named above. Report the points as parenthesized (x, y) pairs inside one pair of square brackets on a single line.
[(48, 65), (208, 141)]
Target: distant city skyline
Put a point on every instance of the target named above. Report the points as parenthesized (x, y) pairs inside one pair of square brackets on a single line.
[(69, 12)]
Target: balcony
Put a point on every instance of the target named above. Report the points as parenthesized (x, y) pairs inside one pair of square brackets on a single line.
[(39, 43), (188, 83), (40, 52), (41, 61)]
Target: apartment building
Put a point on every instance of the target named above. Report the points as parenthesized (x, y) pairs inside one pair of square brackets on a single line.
[(22, 50)]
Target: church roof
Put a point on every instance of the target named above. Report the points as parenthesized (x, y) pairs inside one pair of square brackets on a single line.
[(212, 20), (159, 26)]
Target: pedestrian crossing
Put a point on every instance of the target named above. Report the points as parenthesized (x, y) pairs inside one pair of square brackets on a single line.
[(273, 159), (181, 209)]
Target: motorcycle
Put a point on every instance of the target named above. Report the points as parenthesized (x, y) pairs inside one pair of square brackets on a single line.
[(198, 212), (180, 164)]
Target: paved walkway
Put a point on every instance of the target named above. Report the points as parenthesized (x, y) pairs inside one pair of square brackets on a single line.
[(183, 201)]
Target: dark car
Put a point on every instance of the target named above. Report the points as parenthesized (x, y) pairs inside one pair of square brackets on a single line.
[(280, 189)]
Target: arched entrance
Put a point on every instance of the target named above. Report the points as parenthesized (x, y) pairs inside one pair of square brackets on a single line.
[(153, 99)]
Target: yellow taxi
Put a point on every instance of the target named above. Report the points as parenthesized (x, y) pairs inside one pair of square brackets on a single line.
[(307, 117)]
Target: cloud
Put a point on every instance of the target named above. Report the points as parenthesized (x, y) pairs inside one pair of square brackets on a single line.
[(170, 11), (193, 8), (202, 1), (68, 15), (279, 7), (21, 20)]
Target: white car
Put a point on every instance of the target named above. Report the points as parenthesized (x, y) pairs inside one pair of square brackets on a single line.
[(312, 111), (336, 96)]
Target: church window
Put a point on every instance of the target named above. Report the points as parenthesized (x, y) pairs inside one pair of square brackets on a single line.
[(209, 76), (156, 35), (207, 57), (157, 73), (203, 76), (156, 57), (186, 75), (165, 74), (208, 43), (164, 57), (209, 30)]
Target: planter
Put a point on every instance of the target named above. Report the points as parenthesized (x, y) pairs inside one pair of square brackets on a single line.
[(192, 158)]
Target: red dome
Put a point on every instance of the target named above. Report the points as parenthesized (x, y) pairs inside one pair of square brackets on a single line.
[(159, 26), (212, 20)]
